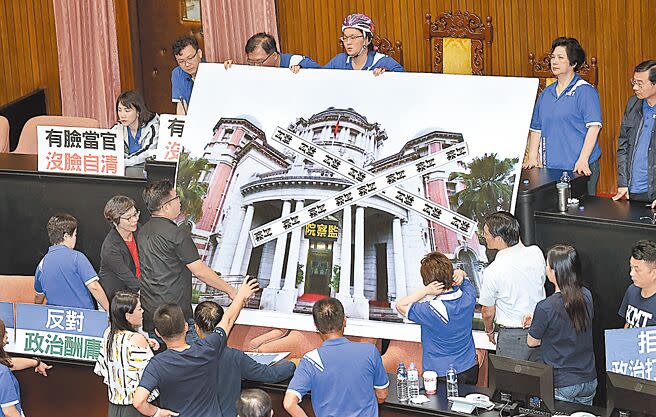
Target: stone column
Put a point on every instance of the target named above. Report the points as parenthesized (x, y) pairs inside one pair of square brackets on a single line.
[(344, 291), (268, 301), (286, 299), (302, 258), (238, 258), (361, 304), (399, 260)]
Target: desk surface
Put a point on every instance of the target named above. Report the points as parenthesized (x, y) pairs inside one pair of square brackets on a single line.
[(605, 210), (539, 178)]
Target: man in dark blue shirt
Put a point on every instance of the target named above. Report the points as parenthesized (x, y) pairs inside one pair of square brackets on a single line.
[(639, 304), (235, 365), (182, 371)]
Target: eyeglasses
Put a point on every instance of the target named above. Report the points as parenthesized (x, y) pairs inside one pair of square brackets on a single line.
[(169, 200), (133, 216), (261, 61), (189, 60), (345, 39), (639, 84)]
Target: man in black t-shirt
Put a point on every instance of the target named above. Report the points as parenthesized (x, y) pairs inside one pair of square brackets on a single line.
[(639, 304), (168, 258), (185, 374)]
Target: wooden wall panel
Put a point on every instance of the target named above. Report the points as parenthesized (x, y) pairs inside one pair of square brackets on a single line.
[(29, 51), (616, 32)]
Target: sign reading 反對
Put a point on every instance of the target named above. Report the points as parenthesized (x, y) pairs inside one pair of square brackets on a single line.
[(632, 352), (80, 150), (171, 127), (63, 332)]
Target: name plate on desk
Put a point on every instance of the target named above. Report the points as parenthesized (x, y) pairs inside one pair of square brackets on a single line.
[(61, 332), (80, 150), (632, 352), (171, 127), (7, 316)]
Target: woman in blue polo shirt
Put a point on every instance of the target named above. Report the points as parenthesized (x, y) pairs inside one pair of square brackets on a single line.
[(567, 118), (562, 324), (359, 53), (10, 401), (139, 126)]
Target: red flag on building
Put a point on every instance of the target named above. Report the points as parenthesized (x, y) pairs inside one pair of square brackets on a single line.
[(336, 128)]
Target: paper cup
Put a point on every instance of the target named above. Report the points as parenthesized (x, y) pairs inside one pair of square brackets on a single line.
[(430, 382)]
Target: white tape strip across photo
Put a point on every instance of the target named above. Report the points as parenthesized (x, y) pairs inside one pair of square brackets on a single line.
[(375, 185), (429, 210)]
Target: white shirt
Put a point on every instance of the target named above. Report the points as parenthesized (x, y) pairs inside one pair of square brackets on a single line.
[(514, 282)]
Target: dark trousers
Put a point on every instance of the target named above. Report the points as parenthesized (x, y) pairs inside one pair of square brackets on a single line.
[(468, 377)]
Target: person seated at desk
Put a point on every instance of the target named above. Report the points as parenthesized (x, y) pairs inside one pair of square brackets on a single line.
[(119, 256), (562, 325), (346, 378), (188, 55), (445, 319), (10, 399), (636, 144), (138, 126), (639, 304), (186, 374), (254, 403), (234, 364), (65, 277), (359, 53), (567, 118)]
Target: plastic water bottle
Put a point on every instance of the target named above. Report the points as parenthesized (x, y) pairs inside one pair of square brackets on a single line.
[(451, 382), (564, 191), (567, 180), (413, 381), (401, 383)]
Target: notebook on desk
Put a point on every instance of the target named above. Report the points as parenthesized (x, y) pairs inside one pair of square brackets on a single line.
[(267, 358)]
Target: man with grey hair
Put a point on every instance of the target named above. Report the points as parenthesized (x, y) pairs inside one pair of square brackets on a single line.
[(254, 403)]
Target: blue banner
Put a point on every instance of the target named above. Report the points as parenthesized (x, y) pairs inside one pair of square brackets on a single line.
[(67, 320), (632, 352), (7, 314)]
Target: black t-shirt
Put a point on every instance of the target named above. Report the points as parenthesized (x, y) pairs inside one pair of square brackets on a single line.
[(571, 354), (164, 252), (636, 310), (187, 379)]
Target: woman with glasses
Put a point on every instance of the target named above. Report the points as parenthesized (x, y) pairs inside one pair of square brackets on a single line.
[(359, 52), (119, 255), (138, 126), (567, 118)]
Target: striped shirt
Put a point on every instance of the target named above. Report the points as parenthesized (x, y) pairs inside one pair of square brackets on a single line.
[(122, 372)]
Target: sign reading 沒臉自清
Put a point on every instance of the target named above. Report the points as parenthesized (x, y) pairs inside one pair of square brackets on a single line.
[(171, 127), (80, 150), (63, 332), (7, 316), (632, 352)]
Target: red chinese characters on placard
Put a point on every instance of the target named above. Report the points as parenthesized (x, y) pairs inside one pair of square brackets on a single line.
[(109, 164), (172, 151)]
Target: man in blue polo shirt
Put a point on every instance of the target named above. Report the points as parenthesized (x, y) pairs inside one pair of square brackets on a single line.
[(445, 319), (636, 147), (346, 378), (188, 56), (65, 276), (261, 50)]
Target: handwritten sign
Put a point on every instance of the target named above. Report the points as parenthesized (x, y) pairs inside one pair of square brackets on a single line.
[(632, 352), (80, 150)]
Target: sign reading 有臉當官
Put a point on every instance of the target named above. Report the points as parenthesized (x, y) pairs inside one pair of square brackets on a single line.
[(632, 352), (171, 127), (63, 332), (80, 150)]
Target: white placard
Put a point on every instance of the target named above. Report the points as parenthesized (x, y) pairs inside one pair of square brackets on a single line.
[(171, 128)]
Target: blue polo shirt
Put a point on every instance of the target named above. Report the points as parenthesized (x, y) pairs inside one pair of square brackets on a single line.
[(289, 60), (9, 390), (63, 275), (181, 85), (640, 165), (342, 376), (446, 329), (563, 122), (374, 60)]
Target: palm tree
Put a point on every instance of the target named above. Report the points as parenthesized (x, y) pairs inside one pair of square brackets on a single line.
[(190, 190), (488, 187)]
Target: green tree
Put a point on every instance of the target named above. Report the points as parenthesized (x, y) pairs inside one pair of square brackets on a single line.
[(190, 190), (488, 187)]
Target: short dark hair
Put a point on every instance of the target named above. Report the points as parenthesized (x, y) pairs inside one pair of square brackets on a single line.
[(157, 193), (254, 403), (264, 41), (574, 50), (169, 320), (134, 99), (182, 42), (59, 225), (328, 315), (503, 224), (645, 250), (116, 207), (650, 66), (437, 267), (207, 316)]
